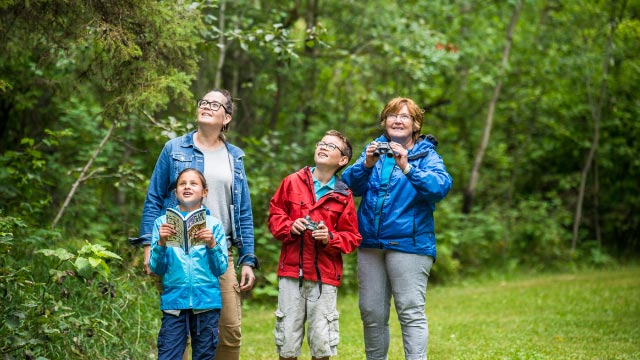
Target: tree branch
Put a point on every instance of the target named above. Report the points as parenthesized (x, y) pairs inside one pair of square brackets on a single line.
[(81, 177)]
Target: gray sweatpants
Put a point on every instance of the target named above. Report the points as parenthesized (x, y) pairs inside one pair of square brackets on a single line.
[(382, 274)]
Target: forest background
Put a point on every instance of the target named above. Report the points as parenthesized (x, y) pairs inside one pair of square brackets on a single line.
[(534, 104)]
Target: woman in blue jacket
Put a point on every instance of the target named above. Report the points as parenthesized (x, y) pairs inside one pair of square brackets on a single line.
[(207, 150), (400, 178)]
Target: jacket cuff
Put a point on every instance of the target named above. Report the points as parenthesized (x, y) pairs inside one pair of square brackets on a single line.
[(216, 248), (140, 241), (249, 260)]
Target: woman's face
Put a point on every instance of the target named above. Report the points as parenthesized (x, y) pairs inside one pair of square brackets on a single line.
[(399, 126), (208, 116)]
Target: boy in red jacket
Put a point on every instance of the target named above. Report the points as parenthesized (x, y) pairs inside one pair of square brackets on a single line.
[(313, 214)]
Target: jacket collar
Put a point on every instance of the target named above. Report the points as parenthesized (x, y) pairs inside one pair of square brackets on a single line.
[(421, 147), (340, 186), (187, 142)]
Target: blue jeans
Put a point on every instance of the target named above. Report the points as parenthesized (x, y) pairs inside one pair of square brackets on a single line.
[(385, 273), (172, 338)]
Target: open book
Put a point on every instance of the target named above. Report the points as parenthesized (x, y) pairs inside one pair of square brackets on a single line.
[(186, 228)]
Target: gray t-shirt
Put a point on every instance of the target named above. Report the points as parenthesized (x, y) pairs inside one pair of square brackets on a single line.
[(218, 173)]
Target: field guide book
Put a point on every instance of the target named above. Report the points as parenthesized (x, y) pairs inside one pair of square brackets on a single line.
[(186, 227)]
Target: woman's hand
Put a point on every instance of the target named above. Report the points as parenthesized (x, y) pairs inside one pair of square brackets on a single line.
[(370, 160), (247, 278), (400, 154)]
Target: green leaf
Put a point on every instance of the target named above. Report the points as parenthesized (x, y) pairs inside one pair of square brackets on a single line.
[(61, 254), (95, 262), (83, 266)]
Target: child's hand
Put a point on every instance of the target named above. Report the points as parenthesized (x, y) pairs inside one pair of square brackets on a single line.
[(206, 235), (165, 231), (322, 234), (299, 226)]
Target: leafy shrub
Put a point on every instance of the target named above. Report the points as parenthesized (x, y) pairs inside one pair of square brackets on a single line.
[(66, 303)]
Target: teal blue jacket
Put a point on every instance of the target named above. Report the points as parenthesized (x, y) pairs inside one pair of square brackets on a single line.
[(190, 281)]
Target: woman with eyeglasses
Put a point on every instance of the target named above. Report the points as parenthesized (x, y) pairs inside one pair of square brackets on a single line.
[(400, 178), (207, 150)]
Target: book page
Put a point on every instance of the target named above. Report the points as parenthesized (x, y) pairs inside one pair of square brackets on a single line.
[(175, 219), (195, 222)]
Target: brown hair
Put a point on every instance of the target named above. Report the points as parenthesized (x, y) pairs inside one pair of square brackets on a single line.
[(347, 151), (394, 105), (204, 181)]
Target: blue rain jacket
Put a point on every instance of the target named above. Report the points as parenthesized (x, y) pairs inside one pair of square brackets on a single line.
[(406, 217)]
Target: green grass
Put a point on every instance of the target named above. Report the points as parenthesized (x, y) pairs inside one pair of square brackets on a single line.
[(586, 315)]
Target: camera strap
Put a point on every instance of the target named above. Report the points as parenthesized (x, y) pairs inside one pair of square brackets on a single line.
[(318, 268), (315, 263)]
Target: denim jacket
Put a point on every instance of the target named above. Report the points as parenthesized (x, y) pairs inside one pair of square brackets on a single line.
[(181, 153)]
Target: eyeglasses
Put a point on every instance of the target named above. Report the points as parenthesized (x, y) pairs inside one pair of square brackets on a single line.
[(213, 105), (329, 146), (403, 117)]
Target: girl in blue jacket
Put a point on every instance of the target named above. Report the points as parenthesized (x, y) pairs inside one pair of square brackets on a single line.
[(190, 298), (400, 178)]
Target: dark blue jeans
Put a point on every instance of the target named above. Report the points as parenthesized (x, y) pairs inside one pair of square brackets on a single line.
[(202, 327)]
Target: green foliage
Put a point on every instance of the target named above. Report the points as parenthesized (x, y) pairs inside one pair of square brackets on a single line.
[(70, 70), (264, 178), (90, 259), (69, 303)]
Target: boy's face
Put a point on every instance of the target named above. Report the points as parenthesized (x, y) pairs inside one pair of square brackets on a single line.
[(326, 156)]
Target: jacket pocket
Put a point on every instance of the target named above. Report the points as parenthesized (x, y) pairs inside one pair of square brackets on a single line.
[(332, 211), (297, 206), (181, 161), (334, 328)]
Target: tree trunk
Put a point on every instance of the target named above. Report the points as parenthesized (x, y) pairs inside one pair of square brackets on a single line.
[(596, 114), (275, 111), (82, 177), (488, 123), (311, 20), (596, 203), (221, 46)]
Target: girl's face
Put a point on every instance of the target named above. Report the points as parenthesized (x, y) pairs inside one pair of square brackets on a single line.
[(190, 191), (208, 116)]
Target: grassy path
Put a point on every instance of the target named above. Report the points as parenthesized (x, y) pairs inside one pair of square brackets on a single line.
[(587, 315)]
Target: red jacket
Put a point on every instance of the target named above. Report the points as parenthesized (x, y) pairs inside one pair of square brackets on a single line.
[(295, 198)]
